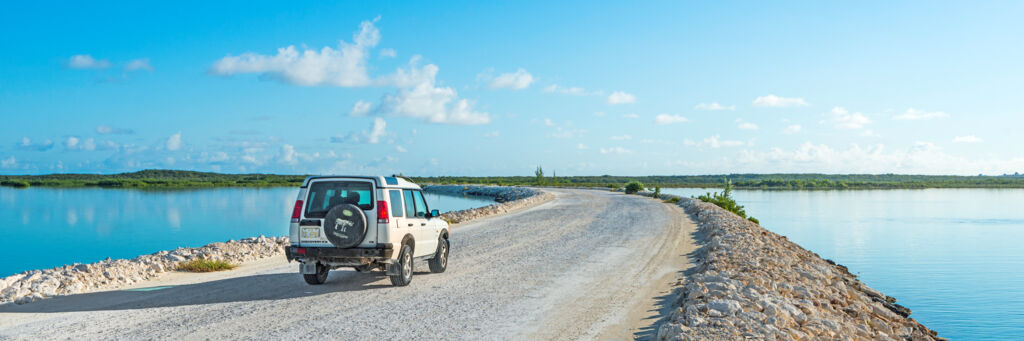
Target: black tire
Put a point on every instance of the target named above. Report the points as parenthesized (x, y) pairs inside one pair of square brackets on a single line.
[(404, 276), (440, 261), (319, 277)]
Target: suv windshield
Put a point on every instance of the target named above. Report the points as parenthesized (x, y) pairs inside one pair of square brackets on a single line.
[(324, 195)]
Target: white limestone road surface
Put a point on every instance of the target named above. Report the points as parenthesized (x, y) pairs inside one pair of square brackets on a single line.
[(587, 265)]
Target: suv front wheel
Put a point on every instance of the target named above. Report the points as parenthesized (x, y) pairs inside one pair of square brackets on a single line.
[(404, 276)]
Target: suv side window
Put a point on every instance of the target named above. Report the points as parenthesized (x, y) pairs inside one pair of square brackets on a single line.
[(421, 205), (396, 203), (410, 209)]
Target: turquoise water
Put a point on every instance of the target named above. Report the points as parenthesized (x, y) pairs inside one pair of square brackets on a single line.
[(44, 228), (953, 256)]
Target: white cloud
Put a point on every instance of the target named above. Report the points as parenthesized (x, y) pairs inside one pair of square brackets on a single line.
[(361, 108), (419, 98), (966, 139), (631, 116), (915, 115), (713, 106), (219, 157), (102, 129), (492, 134), (344, 66), (71, 143), (792, 129), (561, 133), (27, 144), (174, 142), (84, 61), (713, 142), (744, 125), (517, 80), (377, 131), (919, 158), (574, 90), (287, 155), (400, 149), (10, 162), (780, 102), (845, 120), (89, 144), (669, 119), (581, 146), (616, 150), (620, 97), (388, 53), (138, 64), (622, 137)]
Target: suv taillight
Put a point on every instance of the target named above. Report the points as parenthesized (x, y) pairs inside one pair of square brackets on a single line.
[(297, 211), (382, 212)]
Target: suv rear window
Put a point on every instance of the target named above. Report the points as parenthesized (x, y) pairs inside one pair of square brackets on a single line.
[(324, 195)]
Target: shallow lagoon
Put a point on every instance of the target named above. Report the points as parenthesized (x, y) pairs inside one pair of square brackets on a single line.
[(46, 227), (953, 256)]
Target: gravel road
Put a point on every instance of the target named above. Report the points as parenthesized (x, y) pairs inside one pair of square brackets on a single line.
[(589, 264)]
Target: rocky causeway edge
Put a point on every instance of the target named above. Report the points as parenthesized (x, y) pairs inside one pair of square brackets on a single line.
[(750, 283), (111, 274), (508, 199)]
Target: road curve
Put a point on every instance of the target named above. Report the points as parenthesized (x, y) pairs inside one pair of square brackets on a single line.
[(588, 264)]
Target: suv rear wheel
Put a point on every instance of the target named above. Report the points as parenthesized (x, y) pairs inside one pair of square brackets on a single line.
[(319, 277), (440, 261), (404, 276)]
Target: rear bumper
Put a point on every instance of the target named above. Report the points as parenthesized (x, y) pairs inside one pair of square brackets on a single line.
[(382, 251)]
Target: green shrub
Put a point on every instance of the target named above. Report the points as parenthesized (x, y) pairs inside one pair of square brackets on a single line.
[(754, 220), (657, 192), (14, 183), (634, 186), (205, 265), (725, 200), (673, 200)]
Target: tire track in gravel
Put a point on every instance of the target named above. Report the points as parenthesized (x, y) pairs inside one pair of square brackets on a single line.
[(579, 266)]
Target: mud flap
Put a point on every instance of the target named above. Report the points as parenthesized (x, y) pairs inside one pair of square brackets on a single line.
[(393, 269), (308, 268)]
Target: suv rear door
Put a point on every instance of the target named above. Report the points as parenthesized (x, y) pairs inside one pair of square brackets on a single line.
[(324, 194)]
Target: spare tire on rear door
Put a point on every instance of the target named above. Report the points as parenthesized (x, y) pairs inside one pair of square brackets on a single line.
[(345, 225)]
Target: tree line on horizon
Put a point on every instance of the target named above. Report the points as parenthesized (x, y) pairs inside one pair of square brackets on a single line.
[(185, 179)]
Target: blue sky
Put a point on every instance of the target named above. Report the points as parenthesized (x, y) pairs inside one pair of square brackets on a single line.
[(471, 88)]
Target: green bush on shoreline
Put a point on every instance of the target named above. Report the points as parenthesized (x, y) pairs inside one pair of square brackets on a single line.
[(205, 265), (15, 183), (633, 187), (725, 201)]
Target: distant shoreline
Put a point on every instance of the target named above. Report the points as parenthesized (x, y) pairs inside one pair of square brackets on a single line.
[(176, 179)]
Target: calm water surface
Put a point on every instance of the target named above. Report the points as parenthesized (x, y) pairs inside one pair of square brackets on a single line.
[(953, 256), (44, 228)]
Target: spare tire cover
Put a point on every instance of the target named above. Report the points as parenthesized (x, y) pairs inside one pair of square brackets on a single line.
[(345, 225)]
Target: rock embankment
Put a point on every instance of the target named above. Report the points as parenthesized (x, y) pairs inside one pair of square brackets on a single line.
[(112, 274), (507, 198), (750, 283)]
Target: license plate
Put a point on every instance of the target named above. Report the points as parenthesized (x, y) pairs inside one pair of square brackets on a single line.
[(310, 233)]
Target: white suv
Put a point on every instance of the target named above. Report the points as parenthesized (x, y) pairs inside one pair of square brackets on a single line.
[(367, 223)]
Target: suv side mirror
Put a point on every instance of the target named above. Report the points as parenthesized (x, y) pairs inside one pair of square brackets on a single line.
[(434, 213)]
